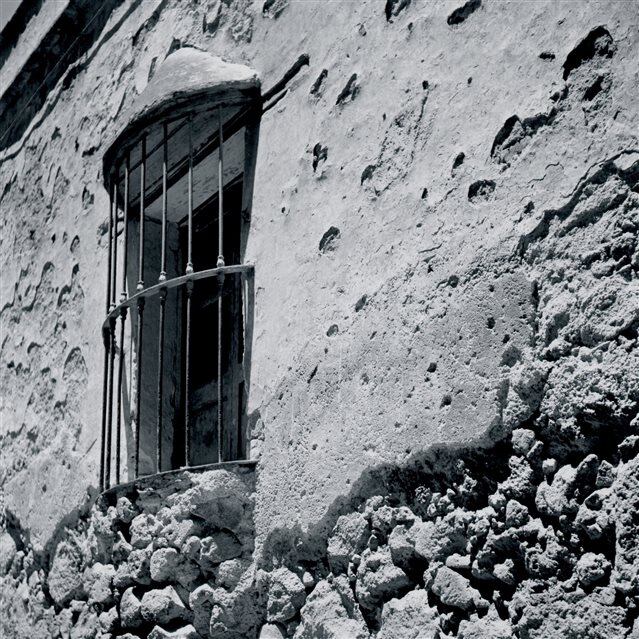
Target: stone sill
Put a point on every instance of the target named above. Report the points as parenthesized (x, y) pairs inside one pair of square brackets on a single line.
[(160, 480)]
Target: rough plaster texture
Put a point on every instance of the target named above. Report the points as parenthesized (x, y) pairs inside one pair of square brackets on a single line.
[(444, 231)]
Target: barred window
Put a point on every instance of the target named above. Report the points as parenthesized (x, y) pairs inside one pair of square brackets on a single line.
[(179, 305)]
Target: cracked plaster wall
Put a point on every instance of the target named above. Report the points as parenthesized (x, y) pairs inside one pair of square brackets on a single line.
[(475, 168)]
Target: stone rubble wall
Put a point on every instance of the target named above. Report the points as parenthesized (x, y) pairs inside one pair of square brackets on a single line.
[(533, 537)]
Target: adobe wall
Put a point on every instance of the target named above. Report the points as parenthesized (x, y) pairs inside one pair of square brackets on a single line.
[(444, 233)]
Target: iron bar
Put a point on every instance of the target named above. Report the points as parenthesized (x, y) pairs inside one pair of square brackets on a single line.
[(165, 163), (163, 293), (189, 260), (125, 231), (219, 377), (114, 261), (187, 376), (107, 471), (141, 246), (176, 282), (220, 190), (160, 379), (105, 335), (220, 264), (110, 258), (138, 380), (118, 431)]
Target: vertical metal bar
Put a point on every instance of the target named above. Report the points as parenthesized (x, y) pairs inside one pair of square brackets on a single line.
[(163, 292), (189, 293), (220, 190), (105, 389), (107, 471), (123, 313), (125, 241), (138, 394), (140, 287), (141, 237), (220, 264), (104, 406), (160, 379), (114, 208), (189, 261), (110, 273), (165, 163), (219, 374), (187, 377), (118, 431)]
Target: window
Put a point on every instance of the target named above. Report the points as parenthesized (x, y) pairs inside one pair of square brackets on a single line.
[(179, 309)]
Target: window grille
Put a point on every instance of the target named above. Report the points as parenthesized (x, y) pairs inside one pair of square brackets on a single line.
[(179, 302)]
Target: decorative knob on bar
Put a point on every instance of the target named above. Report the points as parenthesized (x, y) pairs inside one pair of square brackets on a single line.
[(162, 277), (220, 261), (140, 286), (189, 269)]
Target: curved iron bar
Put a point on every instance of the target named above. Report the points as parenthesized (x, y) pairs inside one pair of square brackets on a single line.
[(175, 282)]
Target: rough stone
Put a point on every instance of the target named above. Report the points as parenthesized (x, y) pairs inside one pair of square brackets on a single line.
[(163, 606), (229, 573), (330, 611), (109, 620), (410, 617), (286, 595), (65, 576), (164, 565), (379, 579), (523, 440), (201, 603), (557, 497), (136, 569), (347, 539), (270, 631), (144, 528), (592, 568), (186, 632), (130, 609), (126, 511), (101, 579), (455, 590), (217, 548), (7, 552)]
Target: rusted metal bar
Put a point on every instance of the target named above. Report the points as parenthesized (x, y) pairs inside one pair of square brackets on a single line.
[(165, 164), (140, 285), (220, 264), (105, 334), (118, 420), (110, 258), (138, 394), (189, 260), (177, 282), (125, 231), (105, 390), (187, 376), (160, 379), (220, 190), (163, 293), (114, 261), (107, 470), (220, 442)]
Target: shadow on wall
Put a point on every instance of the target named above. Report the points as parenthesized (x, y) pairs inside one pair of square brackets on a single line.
[(73, 34)]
